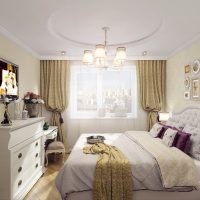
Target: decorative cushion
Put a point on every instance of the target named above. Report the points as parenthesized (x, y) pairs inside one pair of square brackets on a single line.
[(162, 132), (55, 145), (182, 140), (154, 132), (169, 136), (195, 141)]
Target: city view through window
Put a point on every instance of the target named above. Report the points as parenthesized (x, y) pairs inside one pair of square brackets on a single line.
[(105, 93)]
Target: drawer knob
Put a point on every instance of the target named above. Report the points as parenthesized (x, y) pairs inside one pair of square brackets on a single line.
[(19, 183), (36, 155), (19, 155), (20, 169), (36, 144), (36, 166)]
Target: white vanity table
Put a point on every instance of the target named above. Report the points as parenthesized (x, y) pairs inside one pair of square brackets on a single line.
[(22, 157)]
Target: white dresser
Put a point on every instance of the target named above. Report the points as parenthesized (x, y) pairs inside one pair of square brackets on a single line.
[(21, 157)]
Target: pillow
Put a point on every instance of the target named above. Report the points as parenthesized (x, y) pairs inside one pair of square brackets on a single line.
[(182, 140), (195, 141), (162, 131), (169, 136), (155, 130)]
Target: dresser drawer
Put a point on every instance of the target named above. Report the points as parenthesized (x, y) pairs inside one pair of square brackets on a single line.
[(22, 154), (21, 180), (19, 135), (22, 166)]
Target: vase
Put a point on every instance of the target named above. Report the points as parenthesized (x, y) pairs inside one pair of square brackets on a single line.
[(17, 112), (33, 109)]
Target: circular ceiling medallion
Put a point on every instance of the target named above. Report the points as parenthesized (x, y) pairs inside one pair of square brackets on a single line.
[(83, 24)]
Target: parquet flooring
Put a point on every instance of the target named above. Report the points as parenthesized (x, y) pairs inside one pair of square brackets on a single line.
[(45, 188)]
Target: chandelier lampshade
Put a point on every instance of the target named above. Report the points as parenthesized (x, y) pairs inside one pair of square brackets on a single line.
[(121, 55), (88, 57)]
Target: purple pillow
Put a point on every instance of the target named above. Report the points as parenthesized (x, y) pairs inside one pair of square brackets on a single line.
[(182, 141), (164, 128), (162, 132)]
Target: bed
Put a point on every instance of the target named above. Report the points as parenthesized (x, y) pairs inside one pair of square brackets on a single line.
[(75, 180)]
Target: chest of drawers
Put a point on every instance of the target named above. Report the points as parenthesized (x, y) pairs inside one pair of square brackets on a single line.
[(22, 157)]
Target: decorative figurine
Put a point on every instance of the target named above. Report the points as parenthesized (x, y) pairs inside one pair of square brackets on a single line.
[(6, 121)]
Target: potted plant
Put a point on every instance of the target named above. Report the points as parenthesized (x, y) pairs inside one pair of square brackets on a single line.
[(31, 103)]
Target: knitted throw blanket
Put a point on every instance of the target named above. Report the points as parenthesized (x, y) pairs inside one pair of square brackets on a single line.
[(113, 175)]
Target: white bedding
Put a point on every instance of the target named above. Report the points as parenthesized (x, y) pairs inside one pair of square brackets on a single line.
[(78, 176), (197, 163)]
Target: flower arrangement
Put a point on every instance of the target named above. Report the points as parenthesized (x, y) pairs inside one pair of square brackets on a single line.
[(31, 98)]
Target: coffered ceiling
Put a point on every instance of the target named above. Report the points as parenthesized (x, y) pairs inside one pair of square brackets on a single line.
[(47, 27)]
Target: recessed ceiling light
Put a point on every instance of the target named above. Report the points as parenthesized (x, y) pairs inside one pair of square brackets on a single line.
[(63, 52), (144, 53)]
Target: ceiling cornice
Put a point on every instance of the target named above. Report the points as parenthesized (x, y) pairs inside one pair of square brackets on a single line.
[(13, 38), (184, 46)]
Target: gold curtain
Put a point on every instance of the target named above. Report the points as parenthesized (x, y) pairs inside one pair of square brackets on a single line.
[(54, 88), (152, 75)]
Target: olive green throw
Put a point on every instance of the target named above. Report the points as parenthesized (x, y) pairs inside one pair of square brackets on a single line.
[(113, 175)]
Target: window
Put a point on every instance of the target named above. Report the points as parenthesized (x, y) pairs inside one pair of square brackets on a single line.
[(103, 93)]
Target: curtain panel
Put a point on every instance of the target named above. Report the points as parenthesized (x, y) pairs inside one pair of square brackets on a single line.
[(152, 79), (54, 88)]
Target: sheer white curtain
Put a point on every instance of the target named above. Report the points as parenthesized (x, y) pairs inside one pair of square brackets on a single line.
[(103, 101)]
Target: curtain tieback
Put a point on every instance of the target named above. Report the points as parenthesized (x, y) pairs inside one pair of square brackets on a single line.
[(59, 112)]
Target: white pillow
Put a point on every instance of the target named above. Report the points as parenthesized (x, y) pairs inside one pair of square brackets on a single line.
[(155, 130), (169, 136)]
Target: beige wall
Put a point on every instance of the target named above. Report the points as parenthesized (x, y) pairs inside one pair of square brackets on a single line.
[(28, 67), (175, 77)]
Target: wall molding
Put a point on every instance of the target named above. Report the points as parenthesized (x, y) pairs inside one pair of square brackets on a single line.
[(13, 38)]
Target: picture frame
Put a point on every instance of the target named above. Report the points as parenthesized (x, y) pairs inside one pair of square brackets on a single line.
[(187, 95), (187, 69), (187, 82), (195, 89), (196, 67)]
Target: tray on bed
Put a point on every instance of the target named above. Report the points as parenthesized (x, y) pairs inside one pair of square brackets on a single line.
[(95, 139)]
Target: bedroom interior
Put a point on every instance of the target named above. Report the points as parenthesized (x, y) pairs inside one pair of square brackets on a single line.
[(117, 90)]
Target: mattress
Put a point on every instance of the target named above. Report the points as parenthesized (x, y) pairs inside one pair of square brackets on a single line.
[(197, 163)]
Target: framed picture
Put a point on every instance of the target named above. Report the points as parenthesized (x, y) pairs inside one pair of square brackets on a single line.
[(196, 66), (187, 95), (187, 69), (195, 89), (187, 82)]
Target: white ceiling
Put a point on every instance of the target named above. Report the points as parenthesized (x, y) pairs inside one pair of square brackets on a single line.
[(47, 27)]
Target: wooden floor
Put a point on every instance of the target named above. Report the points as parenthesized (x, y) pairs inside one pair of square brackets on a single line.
[(45, 188)]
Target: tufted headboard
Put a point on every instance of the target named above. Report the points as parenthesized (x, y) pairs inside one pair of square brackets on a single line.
[(189, 116)]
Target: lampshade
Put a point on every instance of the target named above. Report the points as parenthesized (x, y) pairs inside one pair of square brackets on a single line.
[(87, 57), (163, 116), (120, 57), (100, 51)]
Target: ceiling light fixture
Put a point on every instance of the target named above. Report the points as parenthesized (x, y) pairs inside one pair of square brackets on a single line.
[(63, 52), (100, 58)]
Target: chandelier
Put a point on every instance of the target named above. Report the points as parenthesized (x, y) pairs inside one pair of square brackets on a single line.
[(100, 58)]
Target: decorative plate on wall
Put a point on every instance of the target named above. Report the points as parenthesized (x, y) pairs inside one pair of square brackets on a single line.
[(196, 66), (187, 82)]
